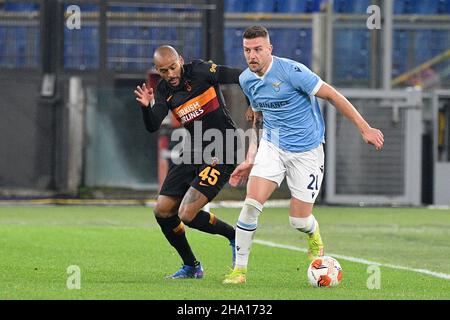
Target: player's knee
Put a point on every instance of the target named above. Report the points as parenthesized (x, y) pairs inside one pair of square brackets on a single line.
[(161, 212), (250, 211), (302, 224), (253, 195), (186, 214)]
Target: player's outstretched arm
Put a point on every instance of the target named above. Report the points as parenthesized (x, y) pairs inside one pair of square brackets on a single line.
[(370, 135), (228, 75), (145, 96), (241, 173), (153, 113)]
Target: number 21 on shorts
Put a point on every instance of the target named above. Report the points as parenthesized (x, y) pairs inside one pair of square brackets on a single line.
[(314, 184)]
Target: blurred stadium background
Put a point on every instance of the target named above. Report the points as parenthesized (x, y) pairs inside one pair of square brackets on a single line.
[(71, 128)]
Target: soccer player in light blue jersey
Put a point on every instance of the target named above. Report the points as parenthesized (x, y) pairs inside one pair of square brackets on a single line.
[(283, 94)]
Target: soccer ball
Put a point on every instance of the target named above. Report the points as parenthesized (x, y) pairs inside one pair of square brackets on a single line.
[(324, 272)]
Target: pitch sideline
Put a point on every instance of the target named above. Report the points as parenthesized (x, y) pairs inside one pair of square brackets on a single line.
[(357, 260)]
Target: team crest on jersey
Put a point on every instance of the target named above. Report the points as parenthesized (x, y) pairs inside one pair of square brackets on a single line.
[(276, 86), (214, 161), (188, 86)]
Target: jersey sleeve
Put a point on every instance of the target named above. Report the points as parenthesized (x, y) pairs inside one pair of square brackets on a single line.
[(251, 103), (248, 97), (216, 74), (304, 79), (154, 115)]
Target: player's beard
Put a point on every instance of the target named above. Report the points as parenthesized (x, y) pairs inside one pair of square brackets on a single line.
[(176, 84), (177, 78), (255, 67)]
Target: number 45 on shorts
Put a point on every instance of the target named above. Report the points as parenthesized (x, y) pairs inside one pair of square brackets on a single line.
[(210, 174)]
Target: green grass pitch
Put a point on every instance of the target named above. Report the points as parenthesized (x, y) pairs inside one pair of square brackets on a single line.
[(122, 254)]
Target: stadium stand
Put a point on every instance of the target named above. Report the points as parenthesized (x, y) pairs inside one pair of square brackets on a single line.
[(128, 46), (19, 40)]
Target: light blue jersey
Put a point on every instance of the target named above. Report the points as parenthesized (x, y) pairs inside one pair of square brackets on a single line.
[(285, 96)]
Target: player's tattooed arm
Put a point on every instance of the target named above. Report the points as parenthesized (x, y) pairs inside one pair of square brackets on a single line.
[(241, 173), (258, 120), (257, 127), (255, 137)]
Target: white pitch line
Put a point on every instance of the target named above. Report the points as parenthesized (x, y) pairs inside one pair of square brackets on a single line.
[(358, 260)]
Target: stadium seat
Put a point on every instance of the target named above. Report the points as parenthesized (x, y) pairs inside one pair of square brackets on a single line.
[(118, 8), (81, 48), (360, 6), (18, 43), (20, 39), (169, 34), (432, 7), (351, 55), (443, 7), (399, 7), (90, 7), (303, 49), (400, 53), (351, 6), (313, 6), (92, 48), (291, 6), (20, 7), (87, 7), (192, 43), (277, 38), (234, 5), (234, 55), (341, 6), (283, 41), (156, 8), (261, 6), (426, 6), (415, 7), (2, 46), (298, 6), (295, 44), (429, 43)]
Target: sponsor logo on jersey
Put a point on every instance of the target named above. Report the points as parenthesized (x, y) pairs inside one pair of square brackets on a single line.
[(271, 105), (188, 86), (197, 107)]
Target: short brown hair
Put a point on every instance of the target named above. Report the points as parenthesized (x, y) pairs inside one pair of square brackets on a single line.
[(255, 32)]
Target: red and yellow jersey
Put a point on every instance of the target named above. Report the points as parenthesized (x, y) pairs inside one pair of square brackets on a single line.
[(196, 101)]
